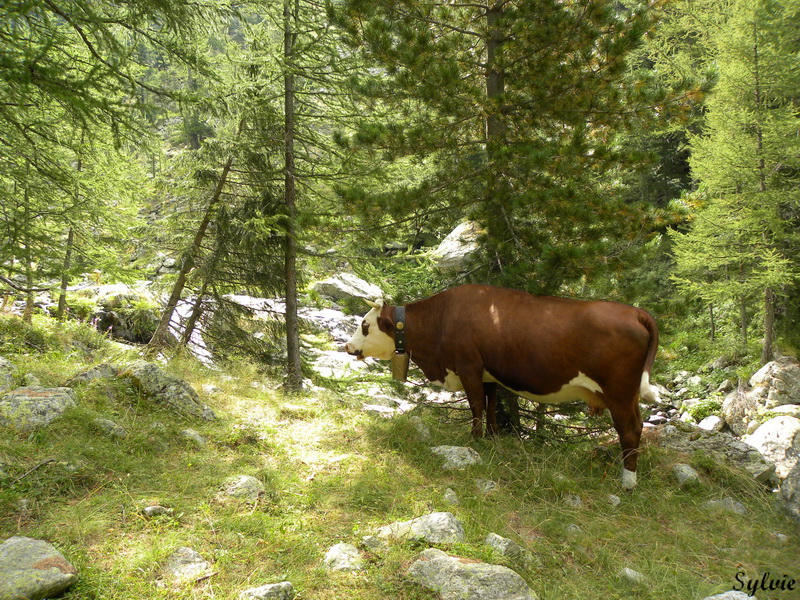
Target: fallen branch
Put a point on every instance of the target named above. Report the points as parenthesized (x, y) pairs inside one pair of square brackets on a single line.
[(32, 469), (19, 288)]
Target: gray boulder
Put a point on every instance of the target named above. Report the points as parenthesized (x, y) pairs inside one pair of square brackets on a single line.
[(166, 389), (777, 382), (101, 371), (33, 569), (739, 408), (454, 579), (8, 374), (724, 447), (436, 528), (31, 408), (272, 591), (457, 457), (778, 440), (346, 286), (732, 595), (790, 492), (458, 248)]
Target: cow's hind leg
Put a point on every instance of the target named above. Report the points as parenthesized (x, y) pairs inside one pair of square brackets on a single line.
[(476, 396), (628, 423), (490, 393)]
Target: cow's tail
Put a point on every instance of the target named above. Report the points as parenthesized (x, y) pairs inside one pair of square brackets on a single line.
[(646, 391)]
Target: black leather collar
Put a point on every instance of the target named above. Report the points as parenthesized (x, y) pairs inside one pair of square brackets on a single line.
[(400, 329)]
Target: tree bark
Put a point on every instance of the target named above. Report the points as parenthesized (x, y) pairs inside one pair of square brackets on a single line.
[(294, 371), (62, 296), (161, 336)]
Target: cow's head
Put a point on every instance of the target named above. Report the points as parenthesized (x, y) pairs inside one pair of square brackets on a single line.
[(371, 338)]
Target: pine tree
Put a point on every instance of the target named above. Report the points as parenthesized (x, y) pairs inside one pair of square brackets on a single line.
[(517, 107)]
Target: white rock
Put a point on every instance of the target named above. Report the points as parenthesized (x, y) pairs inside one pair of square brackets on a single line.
[(457, 457), (186, 565), (436, 528), (631, 576), (344, 557), (778, 440), (272, 591), (712, 423)]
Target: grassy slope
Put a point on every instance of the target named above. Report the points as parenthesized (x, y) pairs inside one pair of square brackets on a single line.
[(334, 474)]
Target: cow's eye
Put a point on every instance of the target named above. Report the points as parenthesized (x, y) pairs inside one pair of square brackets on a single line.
[(364, 328)]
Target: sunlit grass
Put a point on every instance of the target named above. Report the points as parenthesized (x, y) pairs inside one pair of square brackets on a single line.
[(332, 474)]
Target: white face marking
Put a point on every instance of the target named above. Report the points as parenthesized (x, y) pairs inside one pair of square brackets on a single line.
[(628, 479), (580, 387), (375, 343)]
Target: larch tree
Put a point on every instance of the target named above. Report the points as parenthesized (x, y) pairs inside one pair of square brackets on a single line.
[(742, 245)]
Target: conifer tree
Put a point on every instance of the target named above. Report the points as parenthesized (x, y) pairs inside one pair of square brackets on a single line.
[(742, 244), (518, 106)]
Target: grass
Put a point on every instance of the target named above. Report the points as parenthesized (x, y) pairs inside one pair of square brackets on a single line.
[(334, 474)]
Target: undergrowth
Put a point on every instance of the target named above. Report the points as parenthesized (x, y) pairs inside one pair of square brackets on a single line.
[(334, 473)]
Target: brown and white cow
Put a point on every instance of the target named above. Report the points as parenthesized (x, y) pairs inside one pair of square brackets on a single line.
[(546, 349)]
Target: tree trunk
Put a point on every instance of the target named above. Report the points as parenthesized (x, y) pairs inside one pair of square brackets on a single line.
[(713, 323), (161, 336), (768, 351), (743, 317), (62, 296), (27, 315), (496, 192), (294, 372)]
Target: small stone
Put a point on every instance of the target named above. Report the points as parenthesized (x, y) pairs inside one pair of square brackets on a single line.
[(712, 423), (732, 595), (272, 591), (371, 542), (422, 429), (185, 565), (110, 428), (156, 511), (457, 457), (244, 487), (344, 557), (685, 474), (193, 437), (727, 504), (573, 501), (631, 576), (485, 485), (436, 528), (450, 497), (573, 529), (614, 500)]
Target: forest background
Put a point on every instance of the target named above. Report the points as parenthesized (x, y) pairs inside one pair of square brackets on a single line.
[(642, 152)]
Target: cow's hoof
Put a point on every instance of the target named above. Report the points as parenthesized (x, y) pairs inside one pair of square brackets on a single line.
[(628, 479)]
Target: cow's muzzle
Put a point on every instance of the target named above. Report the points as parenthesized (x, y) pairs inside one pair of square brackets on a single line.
[(353, 352)]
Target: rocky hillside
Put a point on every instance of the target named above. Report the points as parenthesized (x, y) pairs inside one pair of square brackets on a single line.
[(127, 479)]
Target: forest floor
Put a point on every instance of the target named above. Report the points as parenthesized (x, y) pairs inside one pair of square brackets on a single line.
[(334, 473)]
